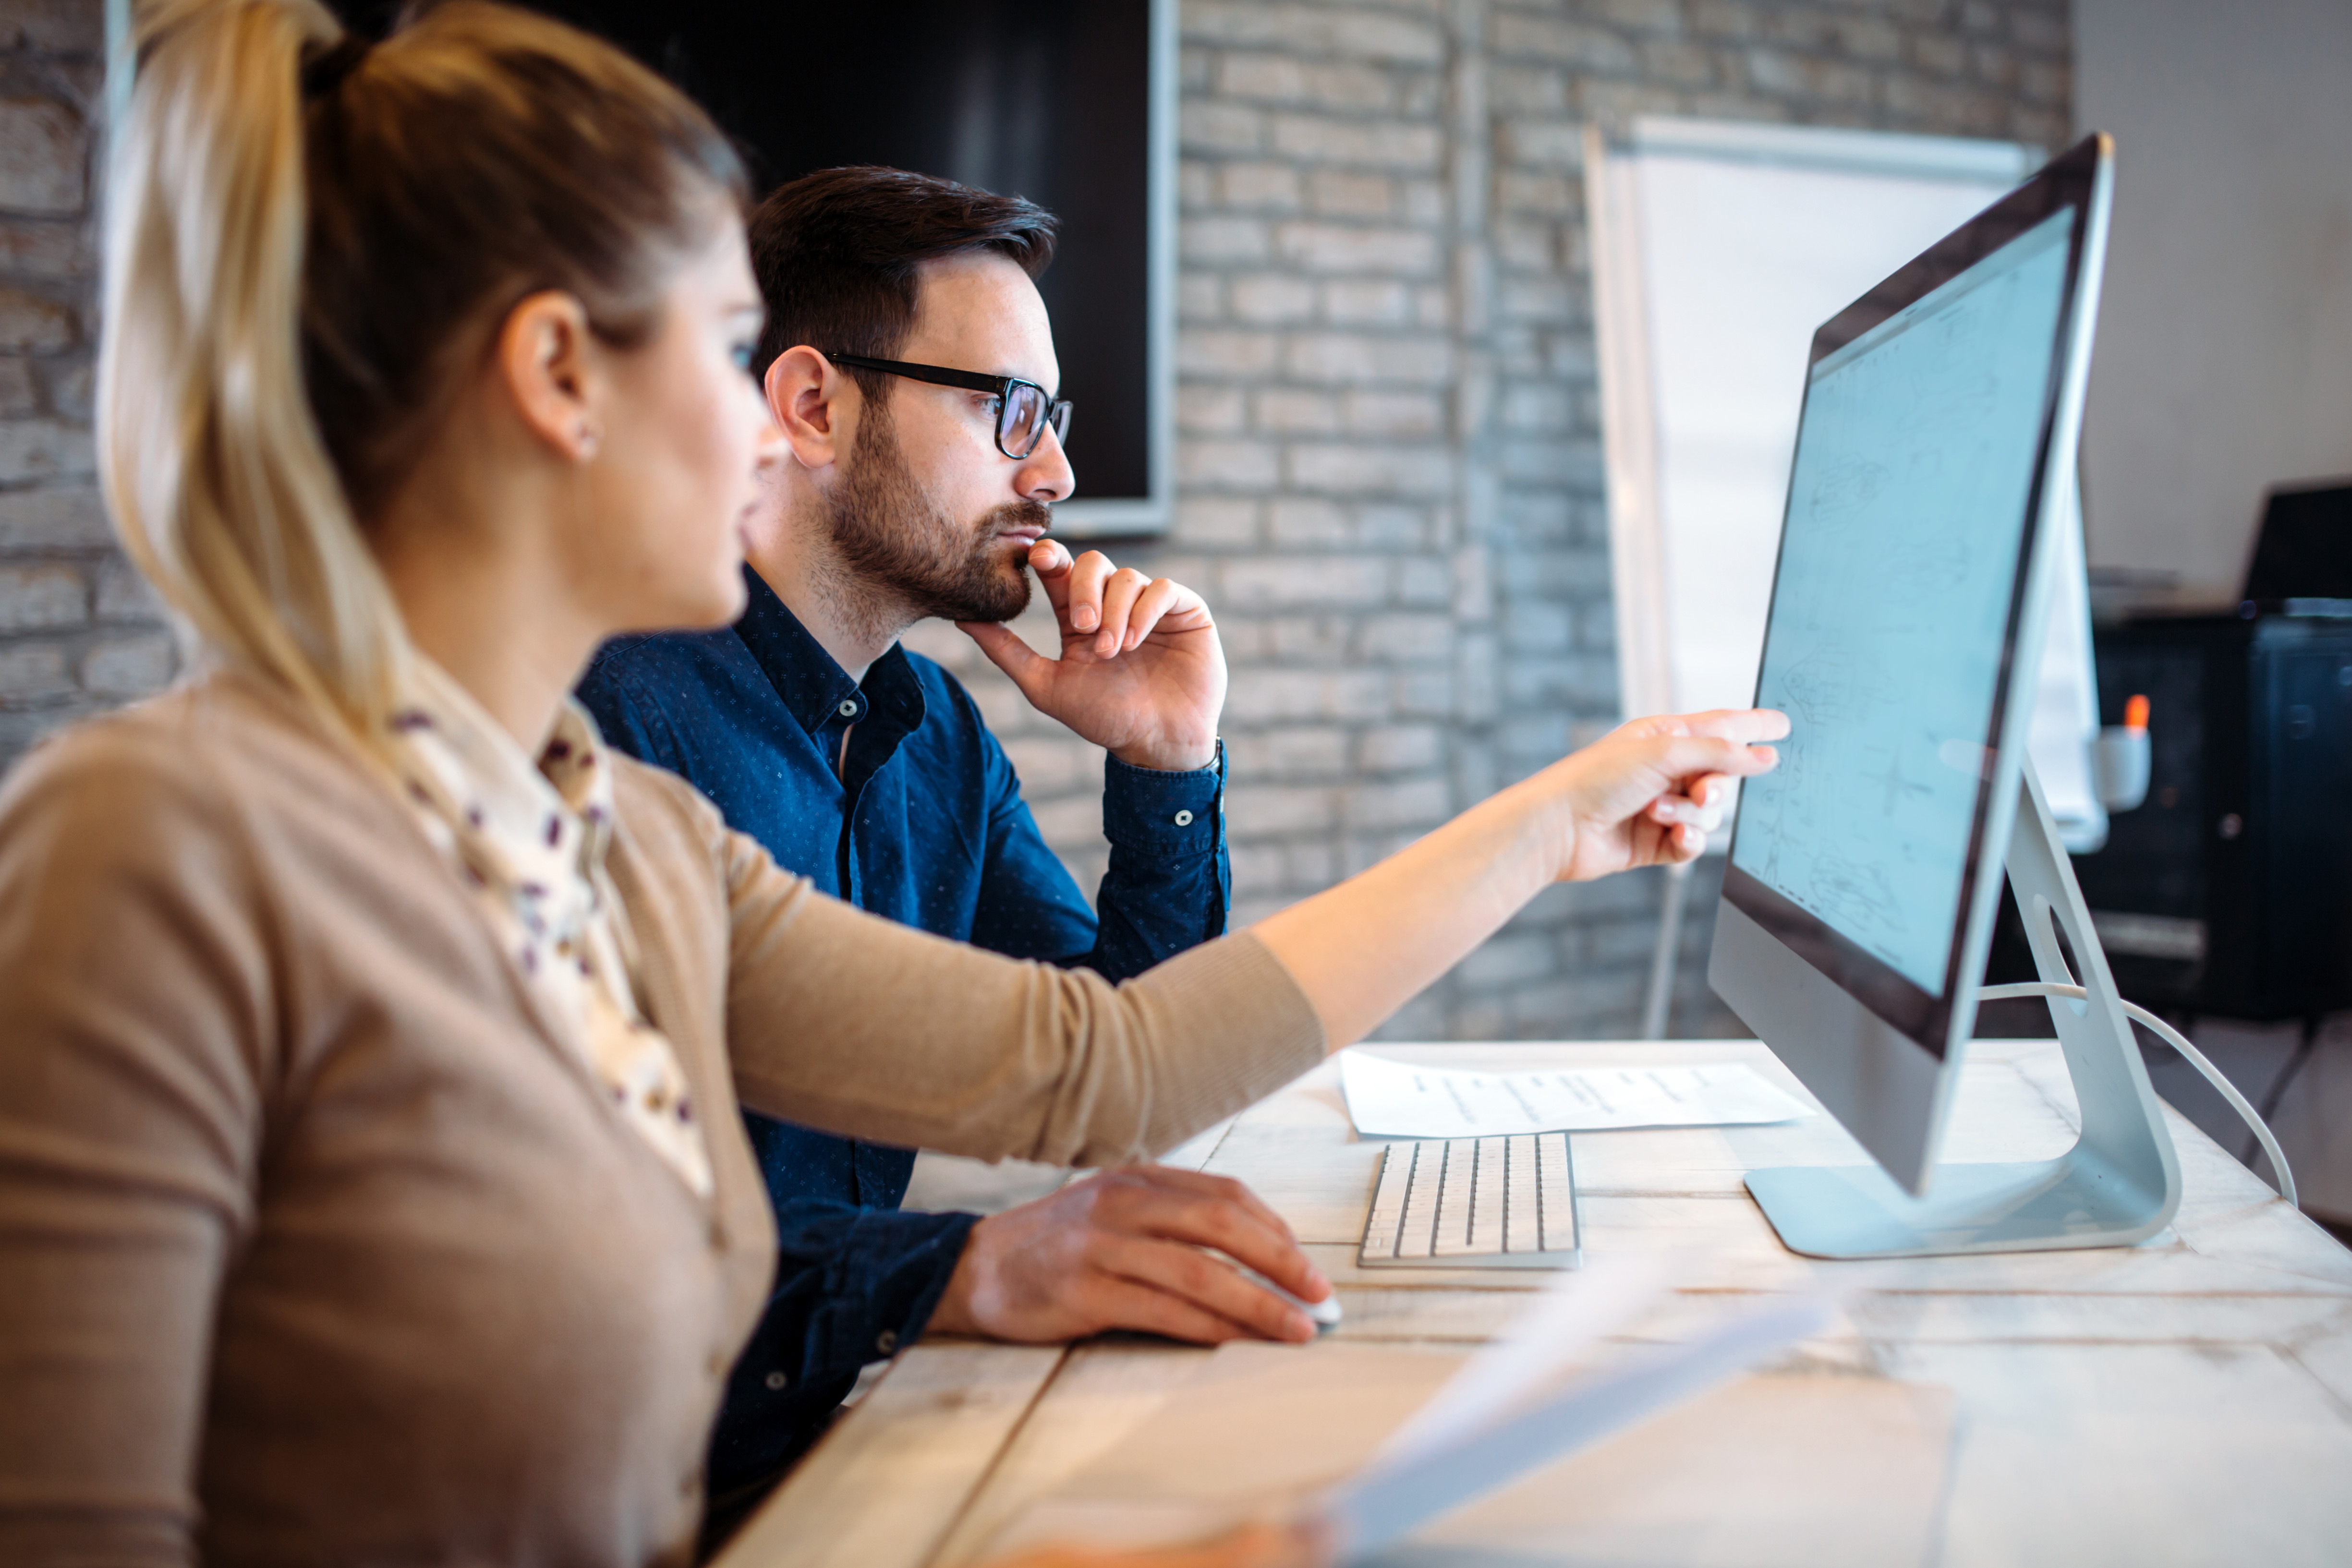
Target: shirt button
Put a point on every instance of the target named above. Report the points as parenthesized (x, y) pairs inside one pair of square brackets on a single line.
[(848, 708), (1183, 818), (888, 1343), (777, 1381), (716, 1364)]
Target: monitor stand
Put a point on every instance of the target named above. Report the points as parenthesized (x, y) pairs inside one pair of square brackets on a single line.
[(2120, 1182)]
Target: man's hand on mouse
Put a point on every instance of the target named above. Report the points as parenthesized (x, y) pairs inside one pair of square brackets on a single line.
[(1130, 1249), (1141, 672)]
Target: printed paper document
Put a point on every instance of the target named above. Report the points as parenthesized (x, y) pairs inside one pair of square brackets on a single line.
[(1389, 1099)]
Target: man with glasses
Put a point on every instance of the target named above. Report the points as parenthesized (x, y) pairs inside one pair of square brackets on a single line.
[(910, 365)]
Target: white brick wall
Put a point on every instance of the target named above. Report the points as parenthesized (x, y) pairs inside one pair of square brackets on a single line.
[(1390, 470), (1388, 455), (77, 633)]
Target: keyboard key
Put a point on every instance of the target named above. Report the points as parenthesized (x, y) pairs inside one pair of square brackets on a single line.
[(1552, 1181), (1523, 1217), (1457, 1199), (1486, 1196), (1386, 1226), (1427, 1163)]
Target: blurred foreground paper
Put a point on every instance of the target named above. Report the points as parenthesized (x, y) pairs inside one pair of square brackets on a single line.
[(1388, 1099), (1809, 1471)]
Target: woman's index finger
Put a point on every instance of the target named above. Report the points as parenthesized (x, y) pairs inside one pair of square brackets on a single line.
[(1744, 725)]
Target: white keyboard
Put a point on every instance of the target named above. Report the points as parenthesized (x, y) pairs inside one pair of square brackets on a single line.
[(1475, 1203)]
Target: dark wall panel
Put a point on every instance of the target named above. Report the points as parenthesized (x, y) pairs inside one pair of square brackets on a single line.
[(1046, 98)]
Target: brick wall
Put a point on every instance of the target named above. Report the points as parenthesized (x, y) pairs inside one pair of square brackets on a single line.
[(77, 633), (1390, 473), (1388, 461)]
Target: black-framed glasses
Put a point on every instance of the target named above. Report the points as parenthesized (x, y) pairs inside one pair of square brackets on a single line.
[(1024, 408)]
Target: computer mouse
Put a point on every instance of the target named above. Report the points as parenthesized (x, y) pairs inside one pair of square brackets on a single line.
[(1324, 1315)]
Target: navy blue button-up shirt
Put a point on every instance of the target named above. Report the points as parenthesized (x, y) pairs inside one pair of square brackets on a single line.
[(920, 819)]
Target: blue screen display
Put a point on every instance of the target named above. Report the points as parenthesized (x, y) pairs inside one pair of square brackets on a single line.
[(1907, 507)]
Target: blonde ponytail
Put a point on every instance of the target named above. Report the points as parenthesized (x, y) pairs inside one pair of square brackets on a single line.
[(220, 483), (294, 288)]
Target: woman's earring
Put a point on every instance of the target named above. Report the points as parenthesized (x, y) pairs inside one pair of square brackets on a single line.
[(587, 445)]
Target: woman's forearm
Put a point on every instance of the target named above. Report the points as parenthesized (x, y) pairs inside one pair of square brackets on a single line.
[(1644, 795), (1364, 949)]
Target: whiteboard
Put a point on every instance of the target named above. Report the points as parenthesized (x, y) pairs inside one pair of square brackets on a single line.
[(1717, 249)]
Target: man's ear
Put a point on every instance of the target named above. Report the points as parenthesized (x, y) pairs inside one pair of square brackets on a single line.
[(545, 362), (815, 404)]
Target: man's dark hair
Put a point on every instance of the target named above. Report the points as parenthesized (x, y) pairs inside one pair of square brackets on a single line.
[(836, 252)]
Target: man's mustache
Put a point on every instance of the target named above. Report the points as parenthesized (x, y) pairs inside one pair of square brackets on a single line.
[(1020, 515)]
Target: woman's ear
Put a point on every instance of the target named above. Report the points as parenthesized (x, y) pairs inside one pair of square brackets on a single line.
[(815, 404), (545, 361)]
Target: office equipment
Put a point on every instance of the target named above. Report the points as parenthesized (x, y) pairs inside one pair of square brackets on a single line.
[(1700, 369), (1325, 1314), (1071, 103), (1941, 414), (1496, 1203), (2230, 892), (2172, 1405), (1391, 1099)]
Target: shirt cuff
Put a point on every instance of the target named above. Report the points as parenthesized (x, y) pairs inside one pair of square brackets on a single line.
[(853, 1286), (889, 1280), (1163, 813)]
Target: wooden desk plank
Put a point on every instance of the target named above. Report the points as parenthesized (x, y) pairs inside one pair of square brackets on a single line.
[(2081, 1454), (1103, 1389), (888, 1481), (2327, 1356)]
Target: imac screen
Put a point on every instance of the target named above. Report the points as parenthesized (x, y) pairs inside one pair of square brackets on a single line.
[(1907, 510)]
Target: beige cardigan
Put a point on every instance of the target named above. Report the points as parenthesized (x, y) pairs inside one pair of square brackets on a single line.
[(318, 1246)]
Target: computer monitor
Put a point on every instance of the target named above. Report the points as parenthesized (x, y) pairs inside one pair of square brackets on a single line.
[(1932, 474)]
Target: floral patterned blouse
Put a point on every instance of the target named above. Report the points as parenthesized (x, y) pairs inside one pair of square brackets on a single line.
[(530, 841)]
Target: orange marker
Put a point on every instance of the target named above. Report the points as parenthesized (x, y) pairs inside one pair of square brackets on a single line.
[(2135, 714)]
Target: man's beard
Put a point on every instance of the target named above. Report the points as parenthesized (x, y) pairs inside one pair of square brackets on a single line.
[(893, 539)]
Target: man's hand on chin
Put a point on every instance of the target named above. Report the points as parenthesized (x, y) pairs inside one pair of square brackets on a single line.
[(1126, 1249), (1141, 672)]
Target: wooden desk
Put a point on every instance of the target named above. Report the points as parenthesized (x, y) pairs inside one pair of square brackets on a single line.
[(2188, 1400)]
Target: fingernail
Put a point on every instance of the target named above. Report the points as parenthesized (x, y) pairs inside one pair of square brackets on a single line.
[(1083, 618), (1300, 1326), (1318, 1277), (1106, 644)]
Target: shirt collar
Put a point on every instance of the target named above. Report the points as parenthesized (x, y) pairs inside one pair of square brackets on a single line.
[(811, 683)]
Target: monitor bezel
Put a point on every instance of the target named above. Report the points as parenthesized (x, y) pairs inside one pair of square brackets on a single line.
[(2070, 180)]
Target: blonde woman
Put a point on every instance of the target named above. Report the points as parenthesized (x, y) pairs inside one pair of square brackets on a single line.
[(371, 1188)]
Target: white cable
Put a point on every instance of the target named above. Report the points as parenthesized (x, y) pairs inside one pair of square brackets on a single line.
[(2180, 1042)]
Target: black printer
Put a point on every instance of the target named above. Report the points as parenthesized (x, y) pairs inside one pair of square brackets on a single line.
[(2228, 892)]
